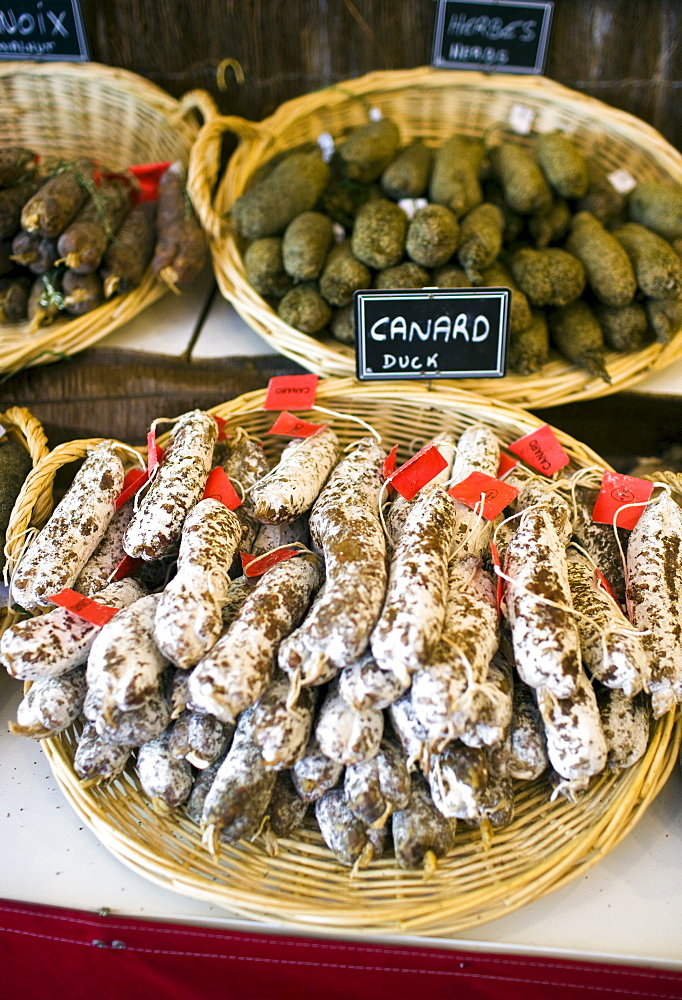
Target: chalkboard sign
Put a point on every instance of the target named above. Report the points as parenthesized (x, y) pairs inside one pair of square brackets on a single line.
[(47, 29), (431, 333), (480, 34)]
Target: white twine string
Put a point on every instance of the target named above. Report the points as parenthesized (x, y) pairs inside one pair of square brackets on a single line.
[(350, 416), (134, 452), (641, 503), (29, 534)]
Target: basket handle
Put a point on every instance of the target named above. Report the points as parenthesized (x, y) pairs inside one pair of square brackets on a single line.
[(197, 100), (204, 166)]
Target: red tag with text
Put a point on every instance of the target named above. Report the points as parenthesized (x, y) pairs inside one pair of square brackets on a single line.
[(132, 484), (605, 585), (616, 491), (219, 487), (126, 567), (389, 462), (291, 392), (222, 424), (154, 452), (500, 582), (291, 426), (541, 450), (506, 463), (147, 176), (257, 565), (84, 607), (496, 493), (246, 558), (419, 470)]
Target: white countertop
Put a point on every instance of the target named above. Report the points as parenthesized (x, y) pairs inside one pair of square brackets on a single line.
[(628, 907)]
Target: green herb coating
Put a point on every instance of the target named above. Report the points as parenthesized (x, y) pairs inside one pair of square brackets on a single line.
[(432, 236), (15, 465), (607, 266), (304, 308), (551, 225), (379, 234), (264, 267), (343, 274), (624, 328), (563, 165), (405, 275), (294, 186), (525, 189), (665, 318), (528, 349), (549, 277), (454, 178), (480, 240), (305, 246), (657, 267), (408, 175), (658, 206), (578, 336), (368, 150), (498, 276)]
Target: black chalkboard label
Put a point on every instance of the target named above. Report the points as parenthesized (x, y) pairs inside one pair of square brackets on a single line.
[(480, 34), (47, 29), (431, 333)]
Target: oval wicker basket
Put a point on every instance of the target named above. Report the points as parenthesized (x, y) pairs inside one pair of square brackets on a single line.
[(547, 845), (430, 104), (71, 110), (27, 429)]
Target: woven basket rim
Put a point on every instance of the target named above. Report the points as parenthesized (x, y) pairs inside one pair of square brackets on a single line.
[(559, 382), (20, 349), (382, 899)]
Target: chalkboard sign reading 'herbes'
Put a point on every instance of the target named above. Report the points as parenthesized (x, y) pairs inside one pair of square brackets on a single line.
[(505, 37), (431, 333), (45, 30)]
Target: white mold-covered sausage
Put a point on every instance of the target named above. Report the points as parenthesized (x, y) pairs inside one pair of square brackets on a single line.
[(51, 705), (365, 685), (189, 614), (60, 551), (290, 489), (397, 512), (378, 787), (96, 759), (421, 833), (236, 671), (60, 640), (610, 650), (457, 779), (345, 735), (654, 597), (528, 751), (345, 528), (478, 450), (539, 493), (314, 774), (544, 635), (177, 486), (411, 620), (165, 779), (575, 739), (274, 536), (626, 727), (97, 571), (124, 662), (280, 729), (348, 838)]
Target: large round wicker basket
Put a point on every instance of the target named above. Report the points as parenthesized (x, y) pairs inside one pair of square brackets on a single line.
[(432, 105), (71, 110), (547, 845), (20, 424)]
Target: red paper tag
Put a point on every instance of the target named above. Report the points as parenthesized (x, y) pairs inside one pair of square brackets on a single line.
[(541, 450), (84, 607), (500, 582), (291, 392), (132, 484), (616, 491), (506, 463), (292, 426), (419, 470), (389, 462), (219, 487), (246, 558), (148, 176), (154, 452), (126, 567), (605, 585), (222, 424), (497, 494), (257, 565)]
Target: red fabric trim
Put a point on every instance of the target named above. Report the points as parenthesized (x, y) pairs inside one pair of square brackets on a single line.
[(48, 952)]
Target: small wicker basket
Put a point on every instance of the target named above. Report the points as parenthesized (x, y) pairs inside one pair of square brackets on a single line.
[(431, 105), (27, 429), (72, 110), (547, 845)]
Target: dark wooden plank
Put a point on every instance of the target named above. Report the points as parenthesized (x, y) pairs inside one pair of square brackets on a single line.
[(624, 51)]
